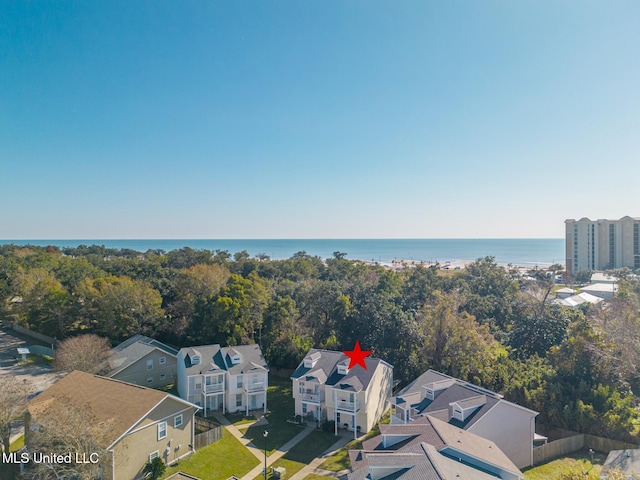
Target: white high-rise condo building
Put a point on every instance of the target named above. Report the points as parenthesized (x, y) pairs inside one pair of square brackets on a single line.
[(602, 244)]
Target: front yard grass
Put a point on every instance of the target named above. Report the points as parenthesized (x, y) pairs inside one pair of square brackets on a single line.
[(280, 406), (555, 468), (313, 476), (239, 420), (301, 455), (17, 444), (340, 460), (217, 461)]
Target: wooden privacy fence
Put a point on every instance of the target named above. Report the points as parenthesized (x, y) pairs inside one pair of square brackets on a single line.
[(564, 446), (32, 334), (209, 432)]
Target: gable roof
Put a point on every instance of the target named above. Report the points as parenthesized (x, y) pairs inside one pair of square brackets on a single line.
[(453, 391), (326, 366), (214, 357), (210, 359), (419, 462), (626, 460), (449, 441), (133, 349), (251, 359), (122, 405)]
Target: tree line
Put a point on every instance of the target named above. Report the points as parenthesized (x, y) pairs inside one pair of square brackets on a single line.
[(486, 324)]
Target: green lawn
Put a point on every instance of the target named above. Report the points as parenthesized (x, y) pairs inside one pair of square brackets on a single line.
[(340, 460), (280, 406), (313, 476), (33, 359), (238, 419), (17, 444), (553, 469), (301, 455), (218, 461)]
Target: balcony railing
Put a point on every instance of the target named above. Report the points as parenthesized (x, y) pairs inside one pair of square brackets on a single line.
[(311, 397), (345, 406), (255, 387), (214, 388)]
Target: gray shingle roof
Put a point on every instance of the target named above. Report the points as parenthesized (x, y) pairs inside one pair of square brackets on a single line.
[(357, 378), (251, 359), (133, 349), (441, 436), (214, 357)]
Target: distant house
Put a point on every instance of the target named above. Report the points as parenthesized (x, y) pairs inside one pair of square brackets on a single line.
[(141, 423), (143, 361), (325, 388), (605, 291), (601, 277), (579, 299), (565, 292), (429, 449), (471, 408), (230, 379)]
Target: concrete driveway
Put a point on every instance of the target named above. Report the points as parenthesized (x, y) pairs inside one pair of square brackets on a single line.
[(38, 377)]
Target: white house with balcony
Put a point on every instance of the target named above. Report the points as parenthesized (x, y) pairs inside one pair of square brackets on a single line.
[(229, 379), (325, 388)]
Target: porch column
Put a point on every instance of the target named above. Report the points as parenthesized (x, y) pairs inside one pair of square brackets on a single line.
[(335, 411)]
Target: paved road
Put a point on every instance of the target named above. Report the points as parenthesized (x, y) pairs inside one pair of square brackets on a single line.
[(38, 377)]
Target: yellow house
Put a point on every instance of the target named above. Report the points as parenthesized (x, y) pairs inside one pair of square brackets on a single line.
[(130, 424)]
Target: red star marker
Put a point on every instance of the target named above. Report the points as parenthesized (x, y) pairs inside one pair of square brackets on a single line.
[(357, 356)]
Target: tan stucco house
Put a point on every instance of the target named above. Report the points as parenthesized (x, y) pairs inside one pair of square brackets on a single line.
[(139, 423), (143, 361)]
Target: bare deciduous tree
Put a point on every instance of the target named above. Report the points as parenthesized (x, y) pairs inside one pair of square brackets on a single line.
[(63, 427), (87, 353), (13, 398)]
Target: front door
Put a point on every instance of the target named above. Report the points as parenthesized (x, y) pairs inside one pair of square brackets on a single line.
[(253, 402)]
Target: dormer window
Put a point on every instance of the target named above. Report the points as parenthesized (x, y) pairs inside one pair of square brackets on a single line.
[(429, 393), (343, 369), (195, 360), (459, 414), (235, 360), (311, 359)]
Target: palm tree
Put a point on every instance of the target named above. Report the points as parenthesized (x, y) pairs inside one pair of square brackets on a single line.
[(154, 469)]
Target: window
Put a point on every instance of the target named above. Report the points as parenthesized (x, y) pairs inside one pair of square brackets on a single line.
[(150, 364), (149, 380), (162, 430), (162, 360), (239, 400), (163, 376), (153, 455), (177, 421), (304, 409), (239, 381), (198, 384)]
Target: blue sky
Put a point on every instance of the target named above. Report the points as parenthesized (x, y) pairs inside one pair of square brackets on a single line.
[(316, 119)]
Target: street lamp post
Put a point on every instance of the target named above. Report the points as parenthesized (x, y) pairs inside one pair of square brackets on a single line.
[(265, 435)]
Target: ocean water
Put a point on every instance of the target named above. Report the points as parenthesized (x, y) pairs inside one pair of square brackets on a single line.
[(521, 251)]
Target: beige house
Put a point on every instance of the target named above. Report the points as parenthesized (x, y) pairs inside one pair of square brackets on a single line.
[(137, 424), (325, 388), (143, 361)]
